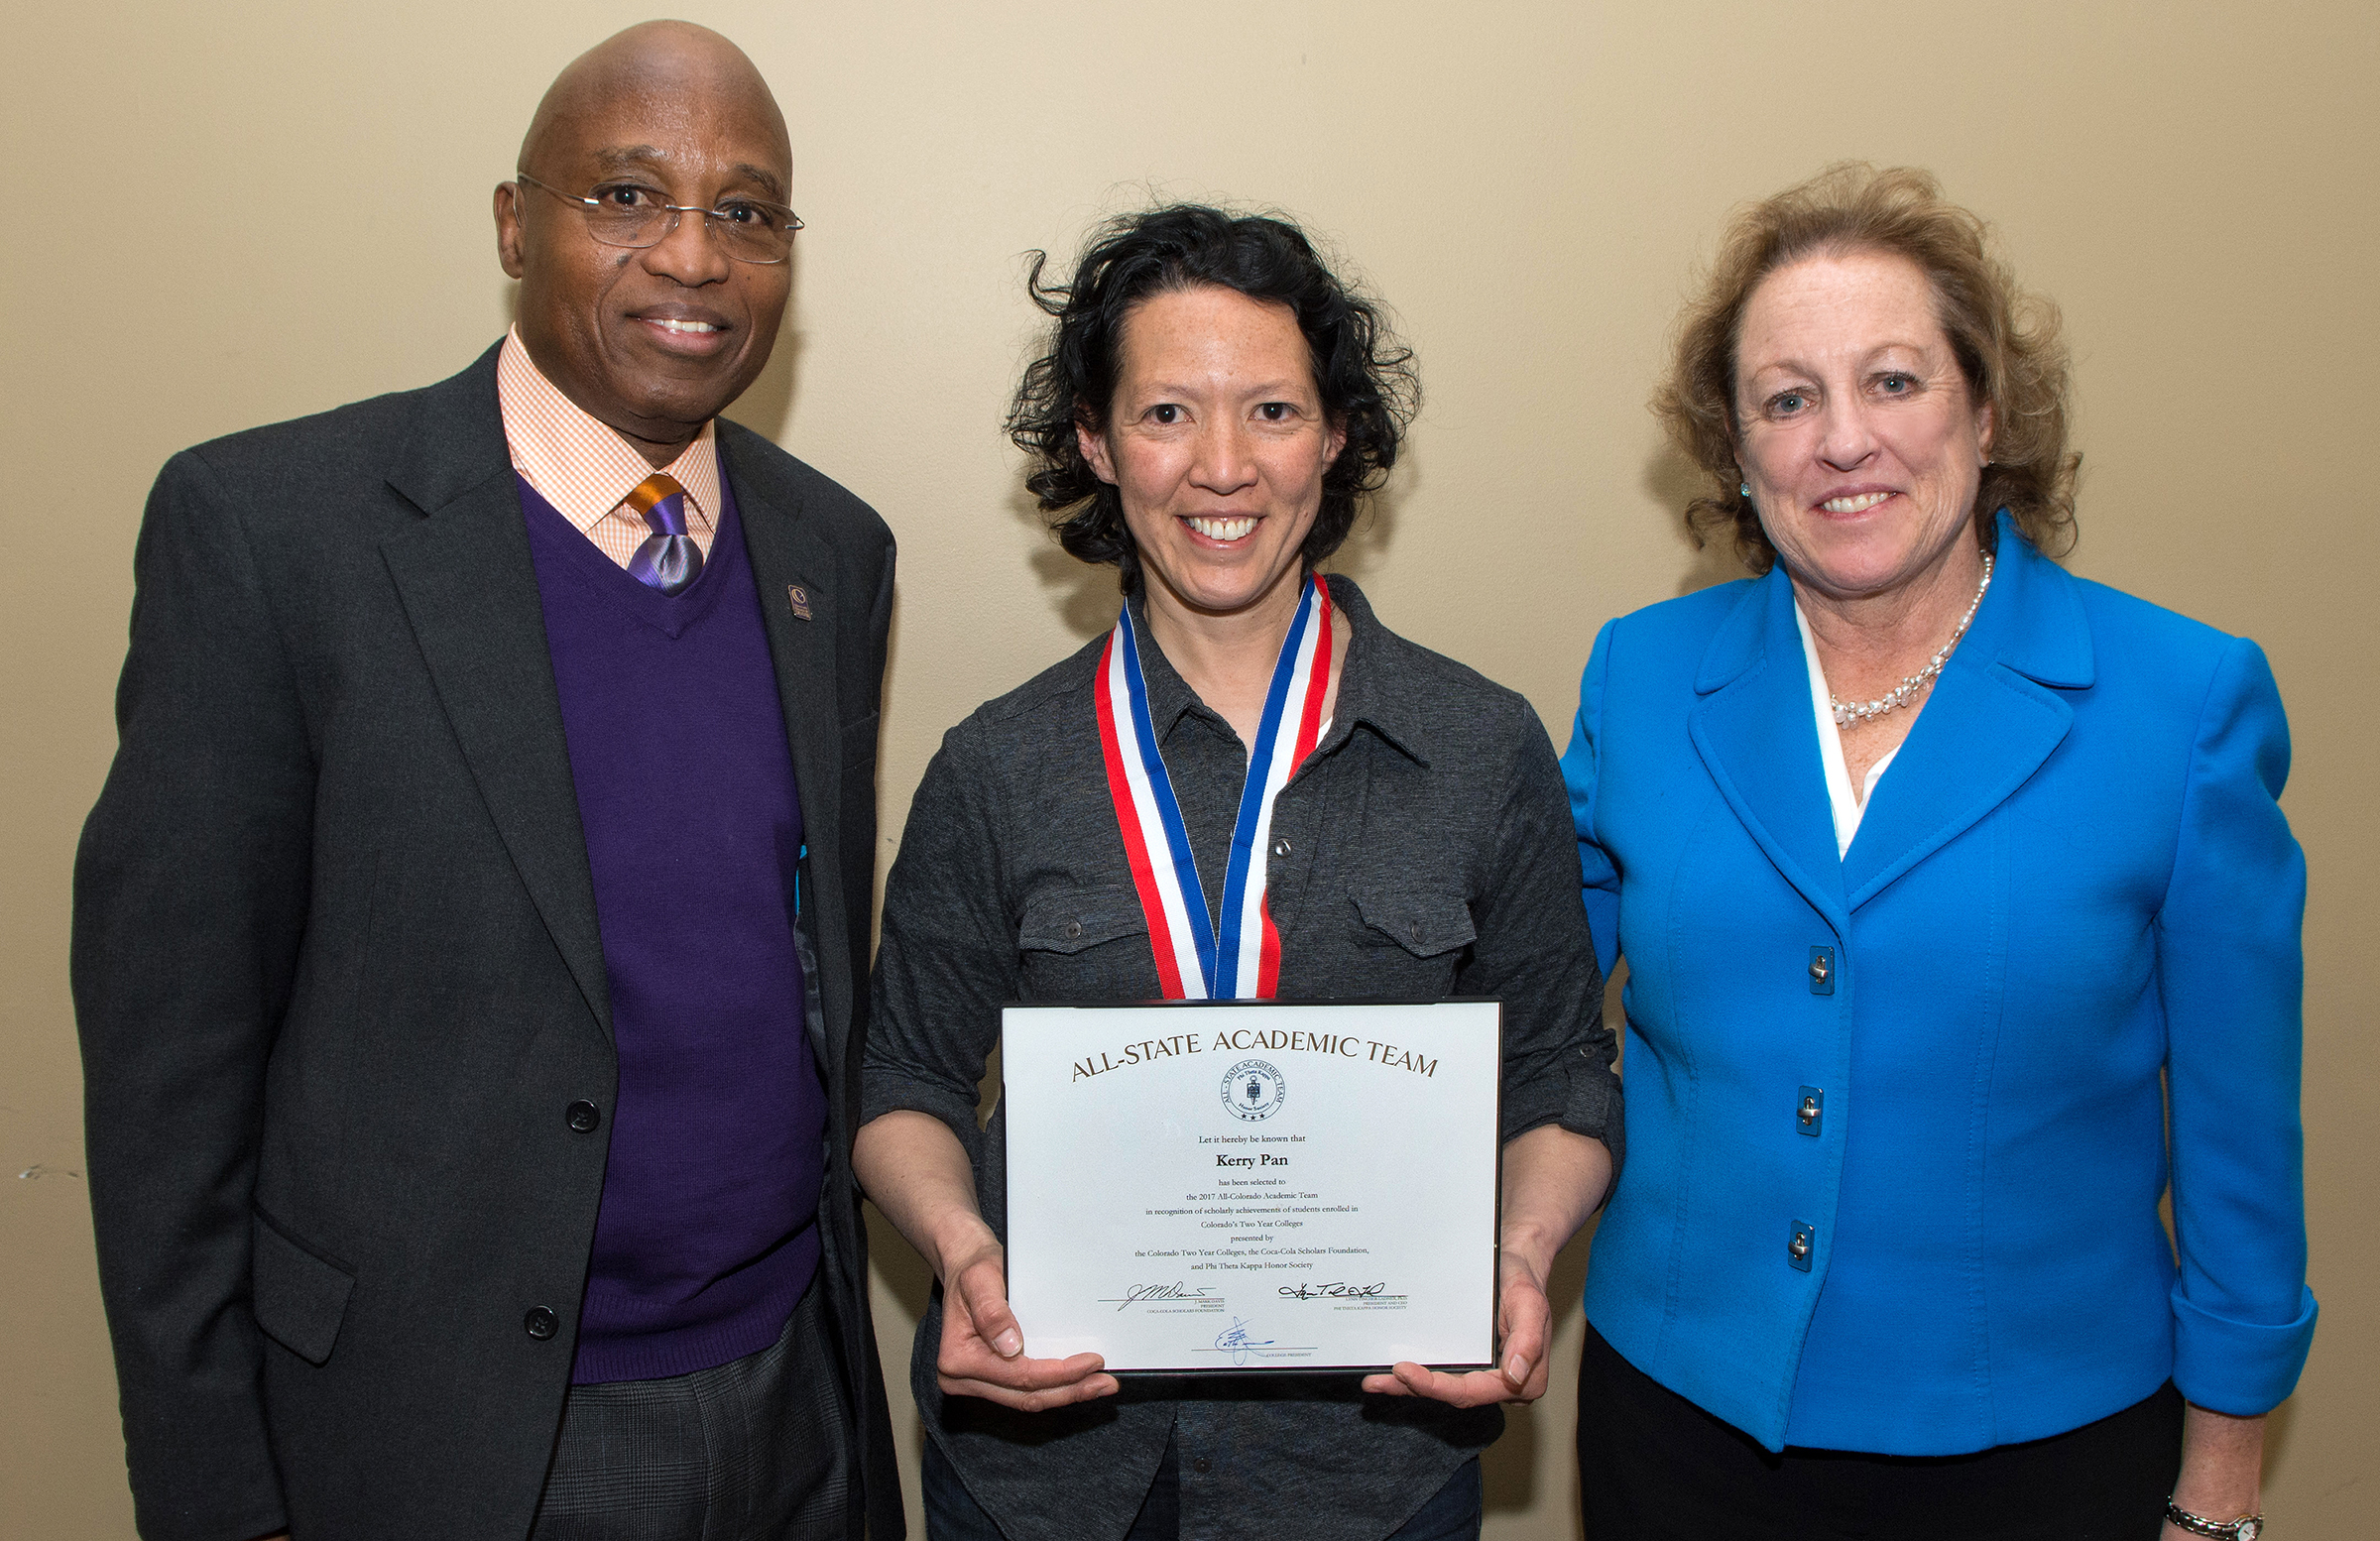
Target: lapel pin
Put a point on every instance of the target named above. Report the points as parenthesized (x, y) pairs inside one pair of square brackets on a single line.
[(801, 601)]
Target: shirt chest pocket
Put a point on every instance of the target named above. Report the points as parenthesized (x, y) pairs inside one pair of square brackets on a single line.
[(1086, 944), (1416, 940)]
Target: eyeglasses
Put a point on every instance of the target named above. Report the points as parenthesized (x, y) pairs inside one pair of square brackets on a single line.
[(630, 214)]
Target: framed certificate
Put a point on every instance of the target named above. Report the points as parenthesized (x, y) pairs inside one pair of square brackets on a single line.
[(1236, 1186)]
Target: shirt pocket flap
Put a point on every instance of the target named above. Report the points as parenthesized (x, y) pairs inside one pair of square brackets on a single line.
[(299, 1299), (1423, 923), (1068, 920)]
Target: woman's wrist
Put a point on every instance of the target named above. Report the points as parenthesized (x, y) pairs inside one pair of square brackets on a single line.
[(2223, 1466), (1530, 1248), (961, 1236)]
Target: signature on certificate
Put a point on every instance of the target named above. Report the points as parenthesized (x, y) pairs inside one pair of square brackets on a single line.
[(1141, 1294), (1332, 1291), (1239, 1343)]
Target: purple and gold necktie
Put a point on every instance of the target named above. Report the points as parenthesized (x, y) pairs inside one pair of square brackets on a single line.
[(671, 559)]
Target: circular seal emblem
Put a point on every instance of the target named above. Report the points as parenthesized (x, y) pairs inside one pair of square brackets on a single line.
[(1252, 1090)]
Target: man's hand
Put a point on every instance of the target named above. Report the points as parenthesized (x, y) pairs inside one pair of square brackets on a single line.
[(982, 1349), (1523, 1324)]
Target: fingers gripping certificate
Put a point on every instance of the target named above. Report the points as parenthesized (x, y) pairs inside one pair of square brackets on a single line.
[(1237, 1186)]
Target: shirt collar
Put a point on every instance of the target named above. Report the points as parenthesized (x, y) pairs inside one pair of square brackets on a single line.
[(1369, 689), (580, 465), (1376, 687)]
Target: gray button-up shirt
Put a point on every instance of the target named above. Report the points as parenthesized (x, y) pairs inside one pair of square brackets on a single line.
[(1428, 853)]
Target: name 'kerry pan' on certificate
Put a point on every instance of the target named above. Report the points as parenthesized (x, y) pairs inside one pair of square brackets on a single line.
[(1239, 1186)]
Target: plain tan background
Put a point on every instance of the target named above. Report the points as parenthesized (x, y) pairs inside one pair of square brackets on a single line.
[(230, 215)]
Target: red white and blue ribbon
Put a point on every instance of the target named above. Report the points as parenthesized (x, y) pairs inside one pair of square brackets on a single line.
[(1199, 958)]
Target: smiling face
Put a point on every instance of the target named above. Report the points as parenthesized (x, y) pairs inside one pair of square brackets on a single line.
[(651, 342), (1216, 441), (1855, 424)]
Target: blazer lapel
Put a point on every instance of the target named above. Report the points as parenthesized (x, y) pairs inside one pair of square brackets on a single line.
[(791, 569), (1995, 716), (1757, 736), (469, 589)]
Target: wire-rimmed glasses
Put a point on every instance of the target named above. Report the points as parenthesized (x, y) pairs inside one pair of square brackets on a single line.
[(632, 215)]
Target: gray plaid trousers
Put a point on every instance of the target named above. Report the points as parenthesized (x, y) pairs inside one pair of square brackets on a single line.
[(752, 1449)]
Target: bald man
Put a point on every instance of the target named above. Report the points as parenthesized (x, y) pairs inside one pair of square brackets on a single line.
[(470, 941)]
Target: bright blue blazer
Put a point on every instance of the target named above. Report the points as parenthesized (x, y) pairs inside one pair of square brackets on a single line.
[(1907, 1201)]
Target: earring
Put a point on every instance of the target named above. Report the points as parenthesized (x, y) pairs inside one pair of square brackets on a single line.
[(1743, 489)]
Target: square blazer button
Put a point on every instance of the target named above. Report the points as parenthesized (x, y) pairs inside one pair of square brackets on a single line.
[(800, 598)]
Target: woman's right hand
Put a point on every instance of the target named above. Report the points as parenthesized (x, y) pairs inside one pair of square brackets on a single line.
[(916, 1171), (982, 1347)]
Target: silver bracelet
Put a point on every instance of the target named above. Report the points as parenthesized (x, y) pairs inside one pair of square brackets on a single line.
[(2247, 1528)]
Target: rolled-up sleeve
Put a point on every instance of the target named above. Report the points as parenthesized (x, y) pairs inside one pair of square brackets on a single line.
[(946, 960), (1535, 953), (2231, 970)]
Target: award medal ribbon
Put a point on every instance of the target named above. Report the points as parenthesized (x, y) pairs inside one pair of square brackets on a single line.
[(1197, 958)]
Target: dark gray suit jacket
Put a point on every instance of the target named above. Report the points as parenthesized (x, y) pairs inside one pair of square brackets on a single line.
[(338, 975)]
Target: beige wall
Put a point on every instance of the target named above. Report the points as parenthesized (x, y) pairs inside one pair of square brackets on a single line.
[(229, 214)]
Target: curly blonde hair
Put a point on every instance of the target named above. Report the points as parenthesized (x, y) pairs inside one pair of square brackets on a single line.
[(2007, 343)]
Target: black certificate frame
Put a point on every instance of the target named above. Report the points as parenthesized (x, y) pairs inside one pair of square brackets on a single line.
[(1495, 1135)]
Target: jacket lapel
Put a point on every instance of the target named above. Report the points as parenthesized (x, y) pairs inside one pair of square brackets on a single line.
[(1758, 738), (791, 568), (1994, 715), (469, 589)]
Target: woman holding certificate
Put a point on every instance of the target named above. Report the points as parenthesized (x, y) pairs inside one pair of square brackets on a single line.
[(1250, 789), (1962, 918)]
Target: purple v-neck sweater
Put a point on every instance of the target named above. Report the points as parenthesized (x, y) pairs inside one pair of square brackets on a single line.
[(708, 1232)]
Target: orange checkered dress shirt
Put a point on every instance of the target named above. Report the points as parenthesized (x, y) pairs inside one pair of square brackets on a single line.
[(585, 469)]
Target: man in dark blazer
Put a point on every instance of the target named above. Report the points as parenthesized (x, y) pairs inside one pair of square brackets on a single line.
[(471, 997)]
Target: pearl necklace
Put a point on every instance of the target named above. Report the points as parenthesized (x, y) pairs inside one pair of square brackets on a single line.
[(1850, 713)]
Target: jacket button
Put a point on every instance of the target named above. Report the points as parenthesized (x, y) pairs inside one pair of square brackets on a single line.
[(1202, 1466), (1804, 1243), (540, 1323), (583, 1115), (1074, 928), (1812, 1111), (1281, 845), (1822, 970)]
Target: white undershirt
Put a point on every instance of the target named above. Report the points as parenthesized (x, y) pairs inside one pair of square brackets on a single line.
[(1847, 809)]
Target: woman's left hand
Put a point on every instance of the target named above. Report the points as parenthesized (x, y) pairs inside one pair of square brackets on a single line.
[(1553, 1180), (1523, 1322)]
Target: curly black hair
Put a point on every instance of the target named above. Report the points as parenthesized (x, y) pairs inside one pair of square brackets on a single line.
[(1364, 378)]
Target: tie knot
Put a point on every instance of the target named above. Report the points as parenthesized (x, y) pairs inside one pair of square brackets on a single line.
[(662, 503)]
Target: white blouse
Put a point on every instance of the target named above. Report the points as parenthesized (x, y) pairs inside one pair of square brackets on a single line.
[(1847, 809)]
